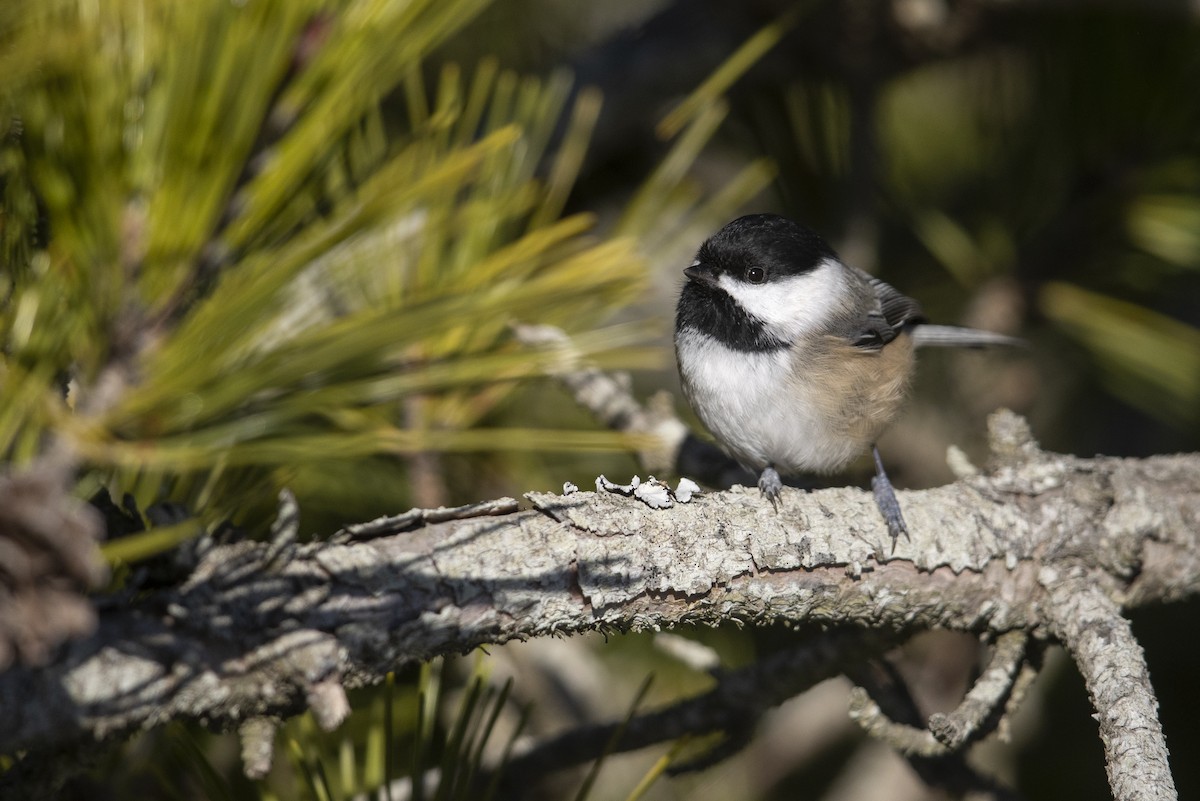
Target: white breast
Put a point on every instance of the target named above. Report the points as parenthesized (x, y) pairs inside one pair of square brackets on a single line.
[(754, 412)]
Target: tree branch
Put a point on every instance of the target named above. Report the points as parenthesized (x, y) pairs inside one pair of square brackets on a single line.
[(260, 630), (882, 693), (737, 702), (1089, 623), (977, 716)]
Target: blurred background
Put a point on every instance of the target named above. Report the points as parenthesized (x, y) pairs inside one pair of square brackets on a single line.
[(309, 227)]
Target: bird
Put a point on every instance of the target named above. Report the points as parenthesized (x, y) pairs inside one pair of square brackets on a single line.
[(795, 361)]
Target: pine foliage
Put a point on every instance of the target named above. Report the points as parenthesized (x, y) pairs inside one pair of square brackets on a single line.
[(243, 240)]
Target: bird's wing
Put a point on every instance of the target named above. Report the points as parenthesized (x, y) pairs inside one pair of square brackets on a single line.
[(901, 311), (896, 312), (898, 309), (891, 313)]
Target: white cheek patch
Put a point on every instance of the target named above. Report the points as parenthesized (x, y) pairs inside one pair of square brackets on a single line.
[(794, 306)]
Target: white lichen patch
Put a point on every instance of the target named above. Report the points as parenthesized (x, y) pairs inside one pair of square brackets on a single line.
[(652, 492), (685, 490)]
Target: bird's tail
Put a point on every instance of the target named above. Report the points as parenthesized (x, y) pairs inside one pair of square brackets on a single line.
[(950, 336)]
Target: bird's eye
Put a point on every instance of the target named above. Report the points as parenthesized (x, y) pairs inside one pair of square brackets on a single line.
[(756, 275)]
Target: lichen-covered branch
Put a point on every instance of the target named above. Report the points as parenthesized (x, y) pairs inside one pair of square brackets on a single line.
[(1090, 625), (263, 630)]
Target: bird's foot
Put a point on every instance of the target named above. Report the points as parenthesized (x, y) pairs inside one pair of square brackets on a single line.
[(770, 485), (885, 499), (889, 507)]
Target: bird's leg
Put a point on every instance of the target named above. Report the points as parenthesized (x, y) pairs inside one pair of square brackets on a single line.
[(885, 499), (770, 485)]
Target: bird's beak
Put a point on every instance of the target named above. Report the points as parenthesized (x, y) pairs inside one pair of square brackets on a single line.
[(702, 273)]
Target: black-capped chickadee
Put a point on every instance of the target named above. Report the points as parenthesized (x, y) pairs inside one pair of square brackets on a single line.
[(795, 361)]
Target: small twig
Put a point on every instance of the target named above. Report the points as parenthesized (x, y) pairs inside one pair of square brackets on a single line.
[(1030, 668), (696, 655), (979, 713), (886, 708), (609, 398), (257, 737), (984, 704), (283, 532), (416, 518), (936, 753), (883, 707), (734, 705)]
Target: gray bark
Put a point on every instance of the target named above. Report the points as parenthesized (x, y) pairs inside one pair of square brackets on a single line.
[(263, 630)]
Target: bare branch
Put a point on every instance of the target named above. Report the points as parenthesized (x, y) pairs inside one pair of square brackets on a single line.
[(892, 715), (263, 630), (980, 711), (609, 399), (1090, 625), (733, 706)]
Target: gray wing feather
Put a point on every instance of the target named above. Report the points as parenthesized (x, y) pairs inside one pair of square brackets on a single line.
[(898, 311)]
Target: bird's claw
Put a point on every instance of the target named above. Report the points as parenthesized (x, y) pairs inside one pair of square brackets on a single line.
[(889, 507), (770, 485)]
